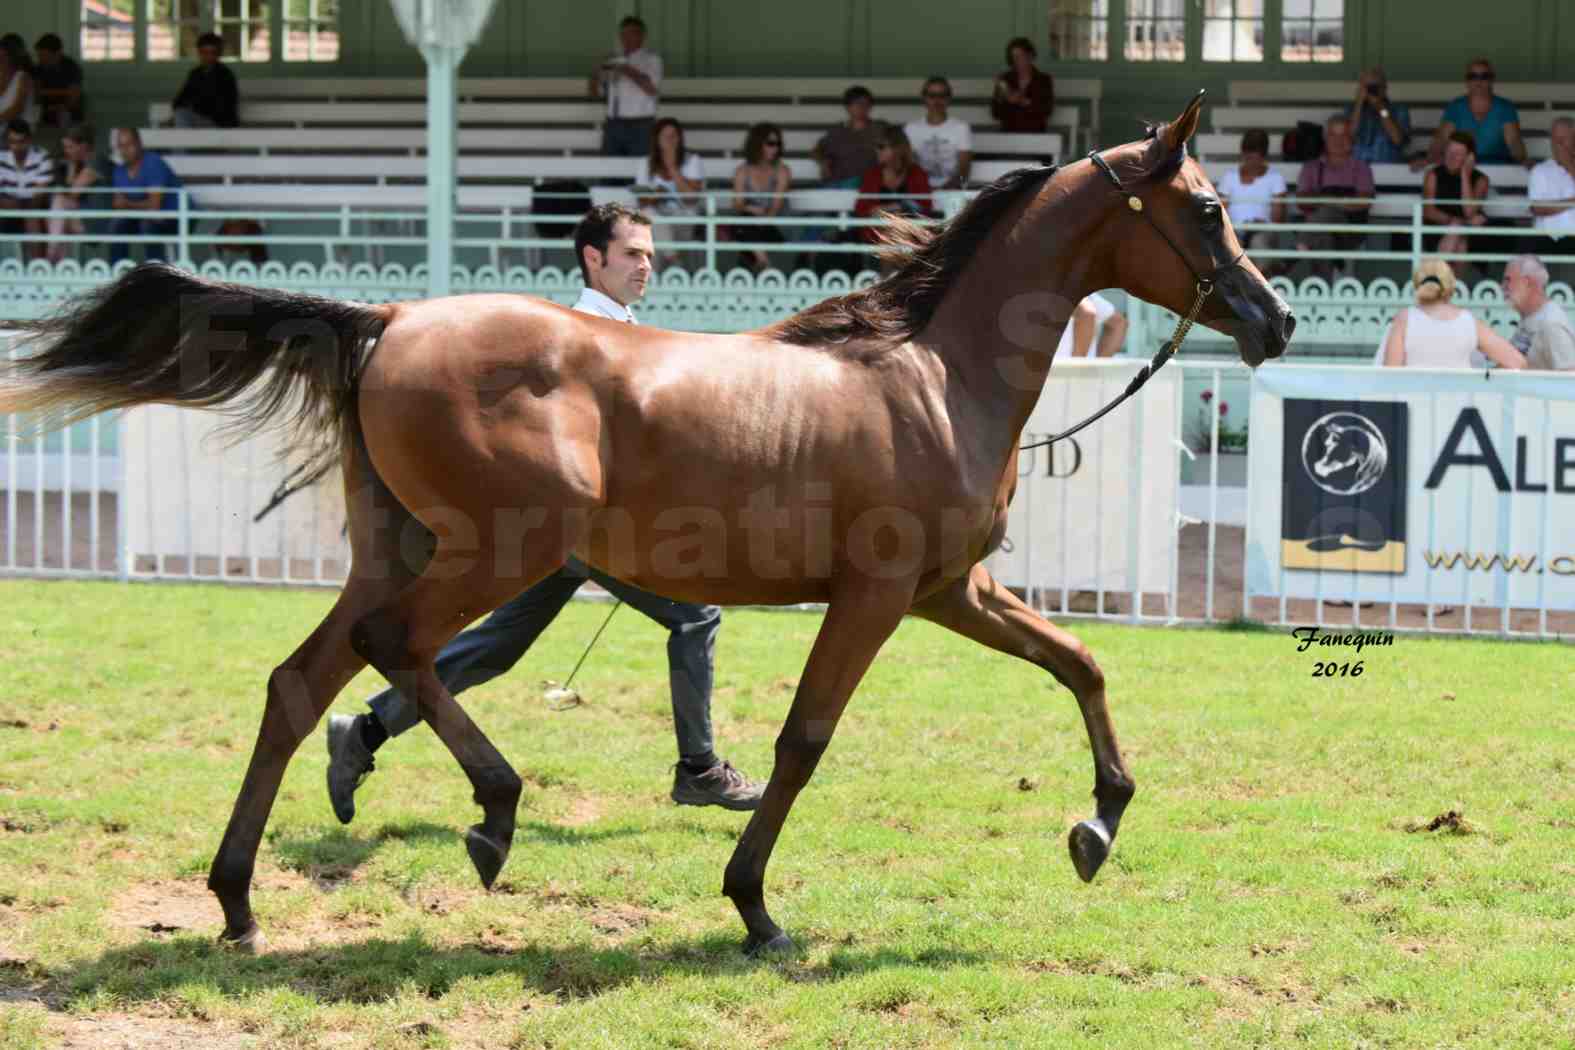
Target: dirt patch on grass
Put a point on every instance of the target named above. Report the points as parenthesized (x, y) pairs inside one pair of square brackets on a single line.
[(1451, 823), (582, 811), (620, 920), (131, 1032), (168, 907)]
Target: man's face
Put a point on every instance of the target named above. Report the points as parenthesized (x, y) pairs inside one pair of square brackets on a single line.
[(632, 38), (936, 99), (208, 55), (1517, 289), (1562, 138), (46, 57), (130, 147), (626, 266), (18, 144), (859, 109)]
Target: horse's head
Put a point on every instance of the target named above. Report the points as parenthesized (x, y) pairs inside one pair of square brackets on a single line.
[(1188, 239), (1342, 447)]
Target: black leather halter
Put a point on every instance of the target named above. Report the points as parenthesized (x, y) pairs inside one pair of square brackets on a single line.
[(1205, 288)]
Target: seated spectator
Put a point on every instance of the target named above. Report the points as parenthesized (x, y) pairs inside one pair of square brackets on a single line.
[(1335, 174), (1097, 329), (16, 80), (671, 175), (1545, 336), (210, 97), (1552, 192), (760, 186), (1493, 121), (83, 170), (1455, 180), (902, 186), (1254, 192), (942, 144), (1024, 96), (847, 151), (142, 181), (1435, 333), (1381, 128), (58, 81), (25, 175)]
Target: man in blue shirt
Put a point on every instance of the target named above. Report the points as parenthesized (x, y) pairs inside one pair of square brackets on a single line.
[(1381, 128), (142, 181)]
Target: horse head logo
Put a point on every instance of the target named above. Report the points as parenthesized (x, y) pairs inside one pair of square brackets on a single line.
[(1344, 453)]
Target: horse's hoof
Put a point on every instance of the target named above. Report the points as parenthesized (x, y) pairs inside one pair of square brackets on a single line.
[(1089, 843), (486, 853), (757, 947), (252, 942)]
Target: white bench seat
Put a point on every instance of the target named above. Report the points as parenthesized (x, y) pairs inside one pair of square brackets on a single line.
[(347, 167)]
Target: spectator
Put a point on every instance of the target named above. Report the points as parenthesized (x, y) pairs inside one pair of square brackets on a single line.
[(1448, 192), (16, 80), (1493, 121), (760, 186), (1552, 190), (1335, 174), (1254, 192), (1435, 333), (1024, 96), (1097, 329), (1381, 128), (896, 177), (847, 151), (209, 98), (142, 181), (670, 177), (943, 145), (58, 82), (631, 81), (1544, 335), (83, 170), (25, 174)]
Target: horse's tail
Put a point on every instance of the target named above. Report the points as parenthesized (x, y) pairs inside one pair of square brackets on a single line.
[(161, 335)]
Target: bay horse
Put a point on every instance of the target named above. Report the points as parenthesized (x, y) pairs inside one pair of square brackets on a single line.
[(861, 454)]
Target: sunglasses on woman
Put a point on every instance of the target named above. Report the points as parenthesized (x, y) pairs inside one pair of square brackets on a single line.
[(1479, 76), (774, 142)]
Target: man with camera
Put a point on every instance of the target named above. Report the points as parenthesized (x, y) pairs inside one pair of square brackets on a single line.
[(1381, 129), (631, 81)]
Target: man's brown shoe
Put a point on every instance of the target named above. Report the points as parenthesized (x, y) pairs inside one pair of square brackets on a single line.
[(721, 785)]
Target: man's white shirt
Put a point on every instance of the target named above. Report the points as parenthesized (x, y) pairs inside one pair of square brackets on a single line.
[(625, 99), (1551, 182), (936, 146), (601, 305)]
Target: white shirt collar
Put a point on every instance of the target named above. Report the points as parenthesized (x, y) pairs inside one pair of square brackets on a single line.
[(602, 305)]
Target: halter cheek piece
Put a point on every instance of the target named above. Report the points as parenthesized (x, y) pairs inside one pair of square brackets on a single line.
[(1205, 288)]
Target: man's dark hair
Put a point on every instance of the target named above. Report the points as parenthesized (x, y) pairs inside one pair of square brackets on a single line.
[(1255, 141), (596, 230), (632, 20), (1020, 42), (211, 40), (49, 42), (942, 81), (857, 91), (20, 127)]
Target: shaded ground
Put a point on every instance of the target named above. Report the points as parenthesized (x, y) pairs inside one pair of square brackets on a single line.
[(1191, 602)]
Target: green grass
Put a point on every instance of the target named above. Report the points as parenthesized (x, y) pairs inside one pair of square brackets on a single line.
[(1269, 886)]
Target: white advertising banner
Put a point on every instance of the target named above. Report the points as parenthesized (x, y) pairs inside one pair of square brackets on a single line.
[(1096, 511), (192, 496), (1413, 485)]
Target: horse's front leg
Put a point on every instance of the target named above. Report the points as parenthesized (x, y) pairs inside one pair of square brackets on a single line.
[(979, 608), (861, 616)]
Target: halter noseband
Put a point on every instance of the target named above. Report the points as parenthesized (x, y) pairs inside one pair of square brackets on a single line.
[(1205, 288)]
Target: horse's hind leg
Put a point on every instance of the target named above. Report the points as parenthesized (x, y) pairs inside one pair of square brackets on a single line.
[(401, 638), (978, 607), (299, 691)]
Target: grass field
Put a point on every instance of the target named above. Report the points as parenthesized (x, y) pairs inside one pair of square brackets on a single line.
[(1275, 882)]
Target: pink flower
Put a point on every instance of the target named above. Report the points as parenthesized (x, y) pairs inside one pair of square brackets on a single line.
[(1224, 408), (1207, 395)]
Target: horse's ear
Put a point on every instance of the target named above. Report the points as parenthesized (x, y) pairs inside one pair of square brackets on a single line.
[(1179, 131)]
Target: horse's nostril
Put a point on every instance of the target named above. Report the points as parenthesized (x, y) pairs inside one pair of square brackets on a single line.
[(1287, 326)]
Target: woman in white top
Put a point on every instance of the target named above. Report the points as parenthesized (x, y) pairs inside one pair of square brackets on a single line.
[(1435, 333), (1254, 192), (674, 174)]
